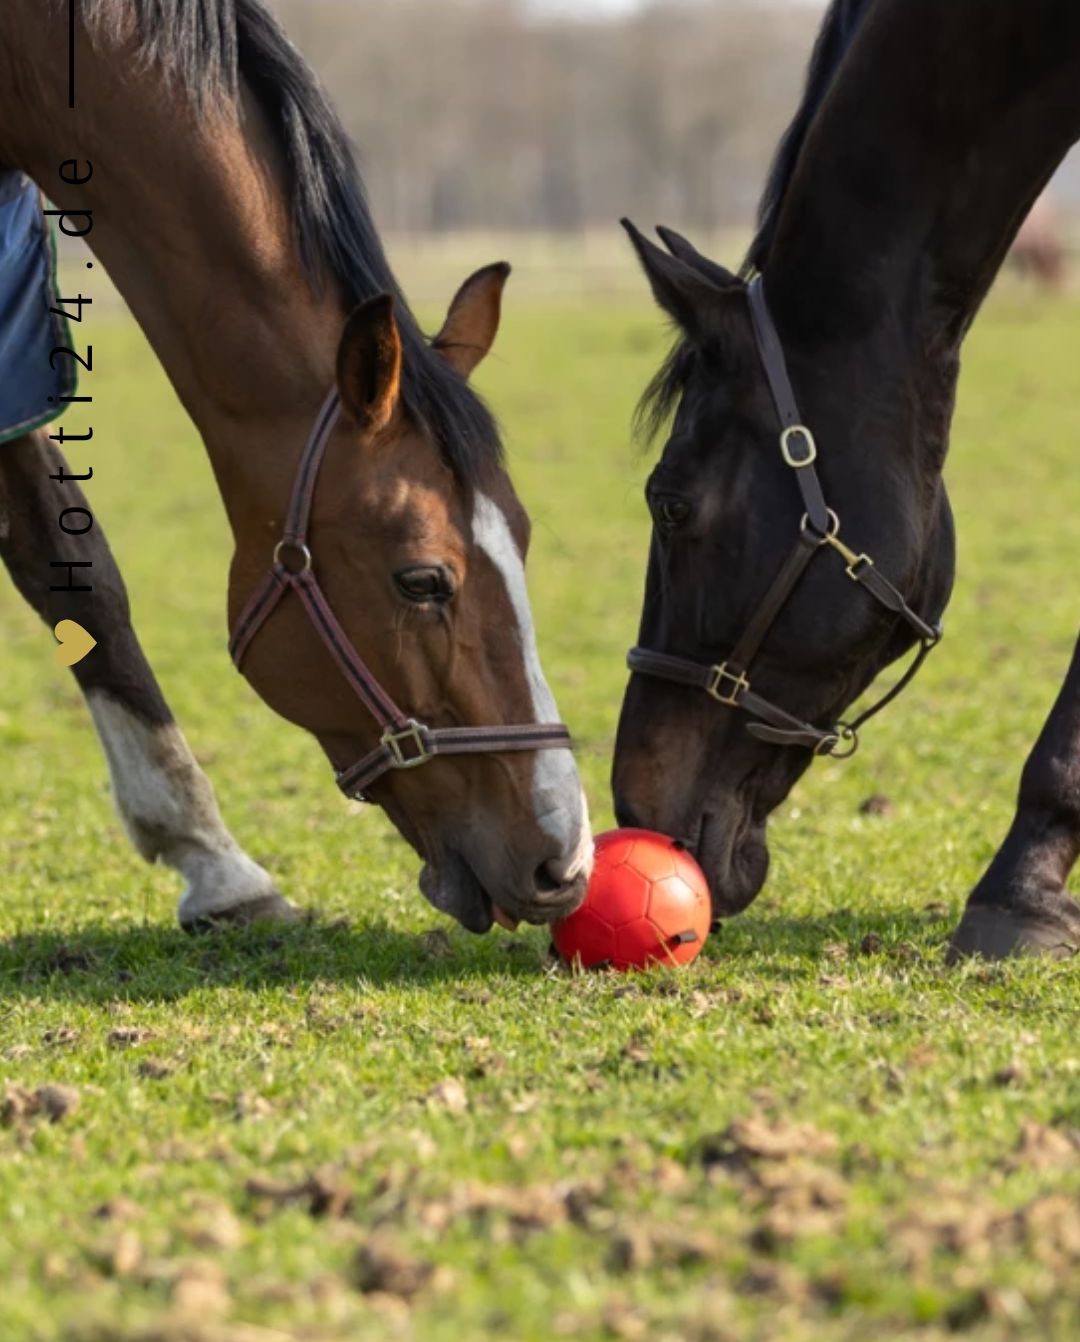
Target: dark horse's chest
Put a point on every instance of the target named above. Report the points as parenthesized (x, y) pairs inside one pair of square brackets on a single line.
[(30, 387)]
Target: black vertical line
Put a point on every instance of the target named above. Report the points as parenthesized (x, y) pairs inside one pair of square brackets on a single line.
[(71, 53)]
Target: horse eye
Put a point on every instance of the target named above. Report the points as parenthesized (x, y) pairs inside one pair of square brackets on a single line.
[(670, 514), (424, 585)]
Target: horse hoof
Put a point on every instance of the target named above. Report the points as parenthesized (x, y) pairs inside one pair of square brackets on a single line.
[(271, 908), (997, 934)]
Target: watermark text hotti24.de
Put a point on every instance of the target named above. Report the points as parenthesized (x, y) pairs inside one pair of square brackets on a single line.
[(73, 518)]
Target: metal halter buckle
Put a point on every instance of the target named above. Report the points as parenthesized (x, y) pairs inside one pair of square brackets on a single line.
[(798, 431), (854, 562), (412, 733), (717, 676)]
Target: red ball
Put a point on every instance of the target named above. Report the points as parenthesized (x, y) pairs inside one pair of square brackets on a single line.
[(647, 903)]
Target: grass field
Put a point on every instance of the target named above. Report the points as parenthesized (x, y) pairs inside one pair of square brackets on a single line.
[(364, 1130)]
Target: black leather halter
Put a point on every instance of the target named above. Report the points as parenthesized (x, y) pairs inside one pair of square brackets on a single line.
[(728, 682)]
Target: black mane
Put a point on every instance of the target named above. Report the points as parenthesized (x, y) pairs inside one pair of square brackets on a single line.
[(211, 47), (837, 33)]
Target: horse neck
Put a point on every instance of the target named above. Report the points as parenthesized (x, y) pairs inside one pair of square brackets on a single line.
[(192, 223), (940, 130)]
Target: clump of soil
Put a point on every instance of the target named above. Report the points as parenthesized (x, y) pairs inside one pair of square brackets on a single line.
[(53, 1102), (324, 1193), (382, 1267)]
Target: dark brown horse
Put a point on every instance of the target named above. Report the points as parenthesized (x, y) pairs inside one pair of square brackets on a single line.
[(228, 210), (926, 132)]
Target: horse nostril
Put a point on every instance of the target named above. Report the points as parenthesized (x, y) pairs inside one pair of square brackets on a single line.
[(548, 879)]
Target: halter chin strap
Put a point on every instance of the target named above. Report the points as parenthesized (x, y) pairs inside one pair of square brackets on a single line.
[(728, 682), (405, 743)]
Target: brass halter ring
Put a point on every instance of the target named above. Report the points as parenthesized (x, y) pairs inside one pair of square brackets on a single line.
[(830, 535), (853, 561)]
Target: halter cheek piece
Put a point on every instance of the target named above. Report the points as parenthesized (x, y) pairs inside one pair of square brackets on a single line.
[(729, 681), (405, 743)]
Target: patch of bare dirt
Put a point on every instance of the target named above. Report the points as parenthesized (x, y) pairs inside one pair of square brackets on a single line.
[(251, 1106), (1046, 1231), (325, 1193), (1045, 1148), (61, 1036), (52, 1102), (382, 1267), (156, 1069), (450, 1095), (507, 1213), (200, 1287), (128, 1036), (435, 944), (117, 1210), (637, 1248), (70, 960), (759, 1138), (776, 1281), (212, 1225)]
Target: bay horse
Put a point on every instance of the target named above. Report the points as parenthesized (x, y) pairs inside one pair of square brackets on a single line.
[(229, 212), (802, 537)]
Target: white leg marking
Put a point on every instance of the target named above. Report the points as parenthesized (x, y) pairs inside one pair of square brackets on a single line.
[(558, 797), (168, 808)]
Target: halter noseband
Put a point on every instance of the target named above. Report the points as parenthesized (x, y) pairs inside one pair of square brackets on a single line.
[(728, 682), (405, 743)]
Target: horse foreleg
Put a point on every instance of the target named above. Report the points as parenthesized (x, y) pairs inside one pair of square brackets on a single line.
[(163, 797), (1021, 904)]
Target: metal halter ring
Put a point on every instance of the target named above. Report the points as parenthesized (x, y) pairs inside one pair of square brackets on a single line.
[(301, 549), (846, 734), (830, 535), (852, 559)]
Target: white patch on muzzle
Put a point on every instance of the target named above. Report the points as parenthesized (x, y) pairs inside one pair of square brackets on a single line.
[(558, 797)]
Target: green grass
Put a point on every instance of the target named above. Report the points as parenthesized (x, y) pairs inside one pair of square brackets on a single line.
[(592, 1186)]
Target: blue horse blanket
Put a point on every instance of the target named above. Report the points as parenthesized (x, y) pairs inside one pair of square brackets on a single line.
[(30, 389)]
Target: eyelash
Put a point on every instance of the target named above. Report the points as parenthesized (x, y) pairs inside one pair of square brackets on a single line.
[(440, 588), (662, 509)]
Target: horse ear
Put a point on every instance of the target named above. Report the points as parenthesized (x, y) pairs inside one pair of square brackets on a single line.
[(682, 291), (473, 320), (369, 364), (686, 252)]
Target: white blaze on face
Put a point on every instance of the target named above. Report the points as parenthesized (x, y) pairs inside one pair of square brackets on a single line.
[(558, 797)]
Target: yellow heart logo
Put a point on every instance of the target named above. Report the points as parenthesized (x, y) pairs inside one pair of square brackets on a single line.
[(75, 643)]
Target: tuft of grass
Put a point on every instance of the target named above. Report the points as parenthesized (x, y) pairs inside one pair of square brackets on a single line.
[(357, 1130)]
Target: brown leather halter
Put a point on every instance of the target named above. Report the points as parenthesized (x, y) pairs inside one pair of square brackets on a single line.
[(405, 743), (729, 682)]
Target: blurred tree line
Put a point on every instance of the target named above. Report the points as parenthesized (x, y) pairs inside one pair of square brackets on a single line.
[(482, 114)]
